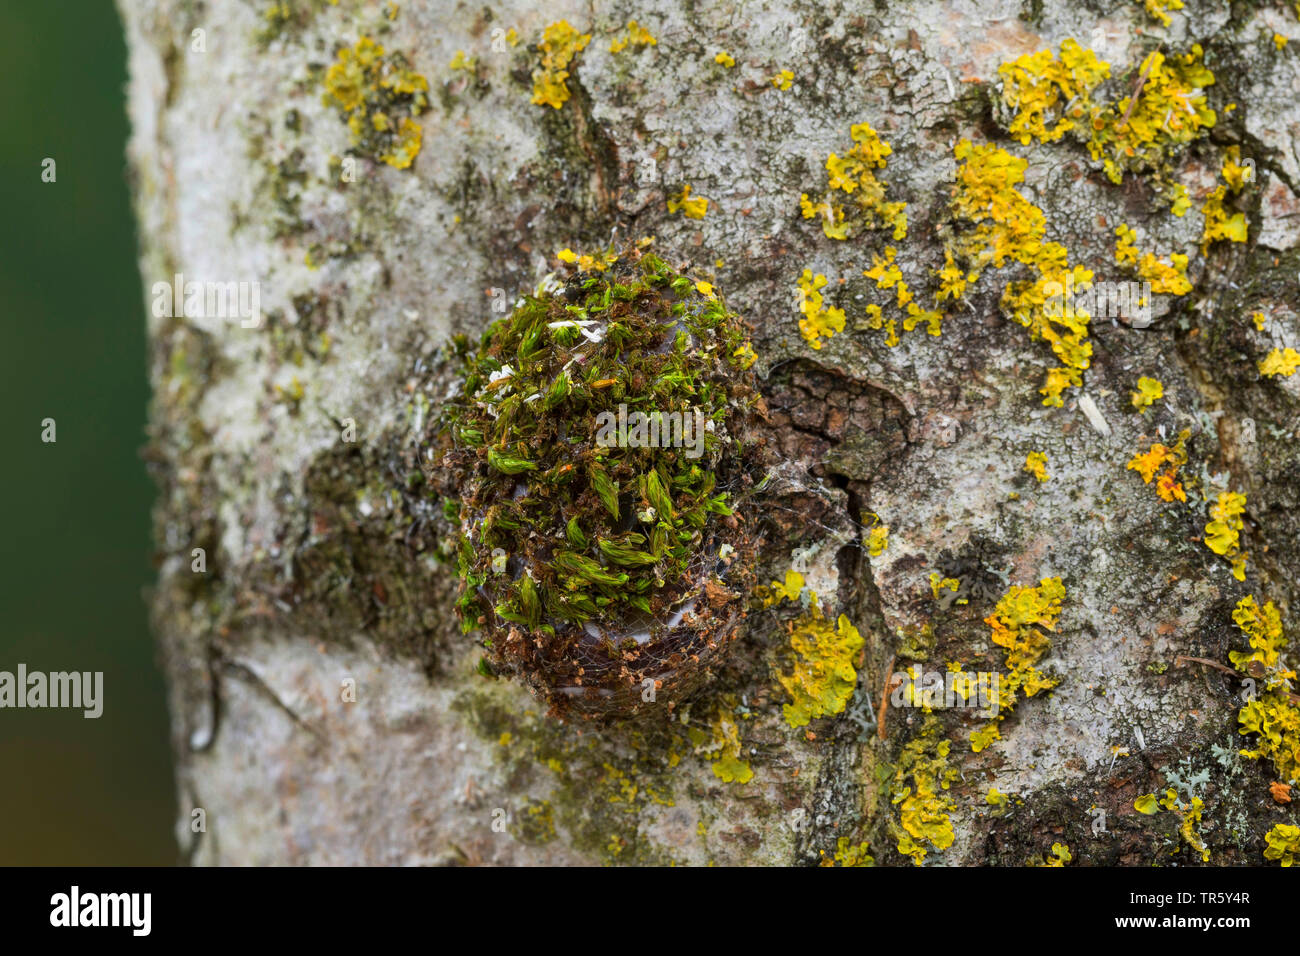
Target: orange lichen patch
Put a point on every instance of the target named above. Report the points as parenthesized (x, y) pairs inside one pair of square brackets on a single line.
[(1161, 464)]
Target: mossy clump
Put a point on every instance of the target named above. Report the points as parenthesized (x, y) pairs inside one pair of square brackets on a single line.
[(601, 438)]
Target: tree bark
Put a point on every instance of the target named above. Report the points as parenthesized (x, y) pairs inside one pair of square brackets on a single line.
[(323, 559)]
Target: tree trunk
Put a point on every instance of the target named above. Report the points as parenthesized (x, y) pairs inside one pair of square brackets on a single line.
[(326, 707)]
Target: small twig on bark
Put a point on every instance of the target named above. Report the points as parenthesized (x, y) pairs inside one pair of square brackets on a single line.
[(1207, 662), (884, 698), (1137, 91)]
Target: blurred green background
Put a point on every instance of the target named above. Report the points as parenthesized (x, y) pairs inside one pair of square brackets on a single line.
[(76, 555)]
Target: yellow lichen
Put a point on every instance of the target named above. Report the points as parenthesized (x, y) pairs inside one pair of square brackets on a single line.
[(725, 58), (1272, 714), (1050, 96), (1223, 531), (822, 677), (854, 175), (818, 321), (888, 275), (1189, 815), (1009, 228), (691, 208), (1018, 623), (953, 280), (559, 45), (1157, 9), (1147, 804), (1043, 89), (1219, 222), (1283, 843), (1263, 628), (634, 35), (727, 765), (1282, 362), (939, 583), (460, 61), (923, 804), (1169, 110), (1036, 465), (877, 537), (1059, 856), (1149, 391), (846, 854), (379, 96), (588, 263), (1165, 278), (782, 80), (1179, 201)]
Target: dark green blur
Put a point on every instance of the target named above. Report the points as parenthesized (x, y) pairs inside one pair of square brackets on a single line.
[(76, 546)]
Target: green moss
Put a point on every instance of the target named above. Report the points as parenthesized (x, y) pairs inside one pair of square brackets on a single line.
[(600, 436), (534, 822), (598, 788), (282, 18)]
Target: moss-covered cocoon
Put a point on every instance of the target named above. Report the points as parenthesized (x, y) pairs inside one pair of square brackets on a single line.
[(600, 438)]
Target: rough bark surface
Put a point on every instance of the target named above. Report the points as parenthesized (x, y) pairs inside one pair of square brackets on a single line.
[(324, 557)]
